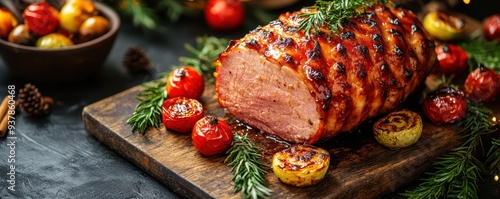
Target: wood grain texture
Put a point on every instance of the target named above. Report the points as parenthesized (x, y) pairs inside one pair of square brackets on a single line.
[(359, 168)]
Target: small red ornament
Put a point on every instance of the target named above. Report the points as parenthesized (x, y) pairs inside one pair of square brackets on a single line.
[(445, 105), (41, 18), (482, 84), (452, 59), (212, 136), (491, 28)]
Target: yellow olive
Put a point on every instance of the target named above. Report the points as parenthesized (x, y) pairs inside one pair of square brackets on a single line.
[(21, 35), (444, 26), (7, 22), (93, 27), (74, 12), (53, 40), (301, 165), (398, 129)]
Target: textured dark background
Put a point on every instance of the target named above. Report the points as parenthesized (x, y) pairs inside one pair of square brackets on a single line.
[(57, 158)]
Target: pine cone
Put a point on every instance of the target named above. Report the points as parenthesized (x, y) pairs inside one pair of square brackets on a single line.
[(136, 59), (32, 102)]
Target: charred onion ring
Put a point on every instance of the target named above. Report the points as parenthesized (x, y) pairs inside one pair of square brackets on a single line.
[(301, 165), (398, 129)]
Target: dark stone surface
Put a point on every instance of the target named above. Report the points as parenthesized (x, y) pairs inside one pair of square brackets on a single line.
[(55, 156)]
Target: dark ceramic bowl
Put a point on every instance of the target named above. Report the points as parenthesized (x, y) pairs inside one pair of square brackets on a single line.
[(61, 65)]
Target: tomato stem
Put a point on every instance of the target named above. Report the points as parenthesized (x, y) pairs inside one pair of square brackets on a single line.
[(212, 120)]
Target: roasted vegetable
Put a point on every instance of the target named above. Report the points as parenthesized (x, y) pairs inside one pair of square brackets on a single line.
[(398, 129), (180, 114), (491, 28), (53, 40), (444, 26), (482, 85), (445, 105), (185, 82), (301, 165), (7, 22), (452, 59), (212, 136), (41, 18), (74, 13)]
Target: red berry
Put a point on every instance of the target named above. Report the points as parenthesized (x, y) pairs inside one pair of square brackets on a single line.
[(445, 105)]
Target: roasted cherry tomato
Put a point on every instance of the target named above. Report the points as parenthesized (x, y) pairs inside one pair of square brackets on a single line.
[(212, 136), (445, 105), (180, 114), (185, 82), (7, 22), (41, 18), (444, 26), (93, 27), (491, 28), (452, 59), (21, 35), (482, 84), (224, 14)]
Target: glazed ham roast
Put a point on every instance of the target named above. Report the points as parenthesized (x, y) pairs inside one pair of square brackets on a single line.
[(302, 89)]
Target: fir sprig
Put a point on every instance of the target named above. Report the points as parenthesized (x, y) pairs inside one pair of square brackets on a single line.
[(456, 173), (203, 57), (148, 111), (248, 175), (482, 52), (333, 13), (493, 157), (151, 98)]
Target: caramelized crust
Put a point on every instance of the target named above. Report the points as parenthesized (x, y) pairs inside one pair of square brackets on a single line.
[(368, 68)]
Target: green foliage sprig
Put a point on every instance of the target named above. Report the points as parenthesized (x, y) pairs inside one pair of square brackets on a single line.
[(248, 175), (480, 51), (203, 57), (333, 13), (148, 112), (456, 173)]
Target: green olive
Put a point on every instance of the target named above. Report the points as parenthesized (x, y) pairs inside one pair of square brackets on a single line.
[(93, 27), (444, 26), (53, 40), (21, 35)]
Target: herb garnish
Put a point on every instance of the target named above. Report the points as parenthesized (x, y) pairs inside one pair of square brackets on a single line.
[(457, 171), (333, 13), (248, 176), (148, 112)]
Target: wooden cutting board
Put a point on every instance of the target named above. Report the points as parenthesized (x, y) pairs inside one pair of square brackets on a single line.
[(359, 168)]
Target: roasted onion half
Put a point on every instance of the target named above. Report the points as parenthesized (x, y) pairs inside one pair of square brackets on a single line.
[(301, 165), (398, 129)]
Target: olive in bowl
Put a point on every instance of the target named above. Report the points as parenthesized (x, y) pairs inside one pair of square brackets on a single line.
[(62, 65)]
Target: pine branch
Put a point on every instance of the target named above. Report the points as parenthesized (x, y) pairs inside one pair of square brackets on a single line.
[(482, 52), (456, 173), (248, 176)]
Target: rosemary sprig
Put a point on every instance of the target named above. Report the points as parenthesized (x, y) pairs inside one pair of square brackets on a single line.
[(457, 171), (248, 176), (202, 57), (148, 111), (493, 157), (483, 52), (333, 14)]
